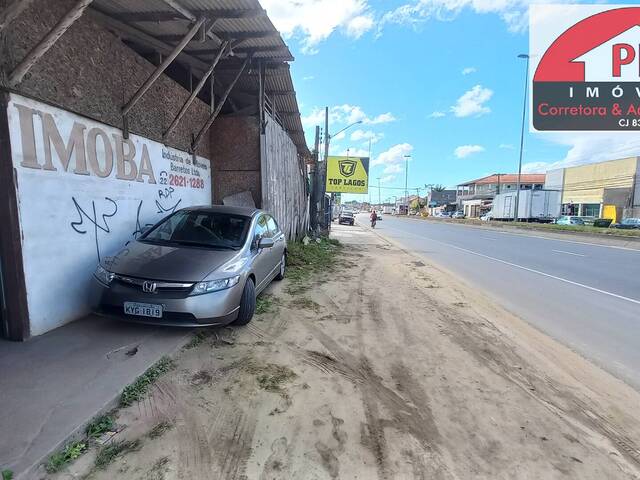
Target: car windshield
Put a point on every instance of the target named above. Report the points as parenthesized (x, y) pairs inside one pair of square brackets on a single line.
[(200, 229), (630, 221)]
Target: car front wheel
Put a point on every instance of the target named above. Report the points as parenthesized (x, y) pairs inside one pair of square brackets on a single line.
[(247, 304), (283, 267)]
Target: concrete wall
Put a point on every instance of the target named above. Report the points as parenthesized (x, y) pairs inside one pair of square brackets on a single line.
[(83, 193), (284, 182), (235, 157), (586, 183), (90, 72)]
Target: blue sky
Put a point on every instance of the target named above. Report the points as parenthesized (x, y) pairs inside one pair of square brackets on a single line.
[(439, 79)]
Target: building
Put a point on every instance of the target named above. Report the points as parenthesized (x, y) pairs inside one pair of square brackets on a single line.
[(475, 198), (114, 114), (605, 190), (441, 201)]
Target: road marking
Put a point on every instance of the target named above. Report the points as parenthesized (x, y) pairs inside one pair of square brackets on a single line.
[(538, 272), (529, 235), (569, 253)]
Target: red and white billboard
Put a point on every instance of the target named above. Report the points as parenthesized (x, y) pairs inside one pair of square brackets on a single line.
[(585, 67)]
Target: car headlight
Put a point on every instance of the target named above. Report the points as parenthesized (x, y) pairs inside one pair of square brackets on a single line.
[(104, 276), (215, 285)]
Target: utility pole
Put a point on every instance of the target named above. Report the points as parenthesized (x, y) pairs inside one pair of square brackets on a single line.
[(324, 170), (406, 180), (315, 183), (378, 191), (524, 110)]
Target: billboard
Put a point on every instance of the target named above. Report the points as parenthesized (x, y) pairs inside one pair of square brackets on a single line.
[(585, 73), (347, 175)]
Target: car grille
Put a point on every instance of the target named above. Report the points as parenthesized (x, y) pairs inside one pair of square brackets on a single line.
[(160, 286)]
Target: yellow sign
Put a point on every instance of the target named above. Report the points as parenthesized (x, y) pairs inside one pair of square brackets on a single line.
[(347, 174)]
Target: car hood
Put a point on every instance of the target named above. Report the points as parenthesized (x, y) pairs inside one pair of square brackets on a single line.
[(168, 263)]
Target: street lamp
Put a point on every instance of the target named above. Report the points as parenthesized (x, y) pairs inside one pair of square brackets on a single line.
[(406, 181), (524, 110)]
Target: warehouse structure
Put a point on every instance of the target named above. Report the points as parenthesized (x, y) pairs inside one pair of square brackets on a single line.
[(116, 112)]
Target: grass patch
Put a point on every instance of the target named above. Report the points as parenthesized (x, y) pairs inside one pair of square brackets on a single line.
[(61, 458), (100, 425), (138, 389), (306, 260), (110, 452), (304, 303), (7, 474), (271, 377), (198, 338), (265, 303), (159, 429)]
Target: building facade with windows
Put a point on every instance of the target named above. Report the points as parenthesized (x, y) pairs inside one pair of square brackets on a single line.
[(475, 198), (608, 189)]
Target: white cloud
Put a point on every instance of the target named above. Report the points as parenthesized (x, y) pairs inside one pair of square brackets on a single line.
[(393, 168), (308, 77), (387, 179), (367, 135), (465, 150), (468, 70), (506, 146), (353, 152), (588, 147), (344, 115), (339, 136), (472, 102), (437, 114), (315, 20), (394, 155), (513, 12)]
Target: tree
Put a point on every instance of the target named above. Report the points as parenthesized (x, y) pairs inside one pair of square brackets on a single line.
[(438, 188)]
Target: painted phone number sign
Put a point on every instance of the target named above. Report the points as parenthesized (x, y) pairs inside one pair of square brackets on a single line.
[(586, 73)]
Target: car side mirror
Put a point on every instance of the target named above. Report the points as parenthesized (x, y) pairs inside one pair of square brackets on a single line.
[(266, 242), (144, 231)]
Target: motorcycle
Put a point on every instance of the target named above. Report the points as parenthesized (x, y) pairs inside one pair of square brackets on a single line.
[(373, 223)]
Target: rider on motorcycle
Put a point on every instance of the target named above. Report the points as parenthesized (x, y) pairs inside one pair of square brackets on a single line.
[(374, 217)]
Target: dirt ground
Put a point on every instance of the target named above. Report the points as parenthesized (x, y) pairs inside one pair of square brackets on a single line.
[(387, 368)]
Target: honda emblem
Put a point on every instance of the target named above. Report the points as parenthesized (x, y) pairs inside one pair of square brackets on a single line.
[(149, 287)]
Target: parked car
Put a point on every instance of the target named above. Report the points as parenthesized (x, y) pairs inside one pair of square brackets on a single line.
[(458, 214), (199, 266), (486, 217), (569, 220), (628, 223), (346, 217)]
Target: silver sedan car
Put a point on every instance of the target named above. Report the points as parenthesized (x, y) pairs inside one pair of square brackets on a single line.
[(199, 266)]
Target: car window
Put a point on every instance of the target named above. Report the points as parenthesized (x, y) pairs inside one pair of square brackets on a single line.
[(273, 226), (262, 229), (200, 228)]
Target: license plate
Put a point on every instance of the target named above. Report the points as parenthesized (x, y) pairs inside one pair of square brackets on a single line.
[(143, 309)]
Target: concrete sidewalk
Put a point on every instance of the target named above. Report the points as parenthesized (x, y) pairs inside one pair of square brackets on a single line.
[(52, 385)]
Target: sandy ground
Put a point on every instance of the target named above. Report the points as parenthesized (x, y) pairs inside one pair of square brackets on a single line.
[(388, 368)]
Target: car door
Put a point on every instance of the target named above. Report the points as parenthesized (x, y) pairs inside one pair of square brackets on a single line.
[(279, 244), (262, 263)]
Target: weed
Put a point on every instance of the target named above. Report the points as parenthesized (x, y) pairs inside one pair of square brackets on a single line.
[(7, 474), (270, 377), (305, 303), (265, 303), (305, 260), (100, 425), (199, 337), (108, 453), (159, 429), (158, 469), (139, 388), (61, 458)]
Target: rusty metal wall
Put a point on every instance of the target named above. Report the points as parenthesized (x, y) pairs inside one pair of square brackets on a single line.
[(284, 181), (91, 72)]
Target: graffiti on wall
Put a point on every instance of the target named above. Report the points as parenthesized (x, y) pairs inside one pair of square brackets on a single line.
[(85, 191)]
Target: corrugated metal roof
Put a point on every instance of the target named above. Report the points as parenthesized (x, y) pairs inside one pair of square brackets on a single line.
[(242, 20), (508, 178)]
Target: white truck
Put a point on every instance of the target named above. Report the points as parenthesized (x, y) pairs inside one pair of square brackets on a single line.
[(534, 205), (387, 210)]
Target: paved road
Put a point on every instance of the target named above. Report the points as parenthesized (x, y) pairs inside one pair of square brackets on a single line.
[(586, 296)]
